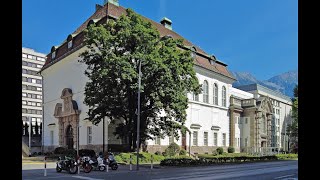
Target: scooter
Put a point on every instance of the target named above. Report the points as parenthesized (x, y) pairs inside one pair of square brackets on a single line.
[(97, 164), (111, 162), (67, 164)]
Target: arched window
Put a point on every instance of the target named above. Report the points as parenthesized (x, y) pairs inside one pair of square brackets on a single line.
[(205, 89), (215, 94), (224, 95)]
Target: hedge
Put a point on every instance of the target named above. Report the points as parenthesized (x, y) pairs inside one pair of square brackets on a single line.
[(209, 159), (143, 158)]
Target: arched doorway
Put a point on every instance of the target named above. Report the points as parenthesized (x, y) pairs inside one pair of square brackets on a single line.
[(69, 137)]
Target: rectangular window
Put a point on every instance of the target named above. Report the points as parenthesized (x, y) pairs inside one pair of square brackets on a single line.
[(246, 142), (24, 102), (51, 137), (53, 55), (69, 44), (224, 139), (215, 139), (29, 56), (238, 142), (246, 120), (89, 135), (24, 56), (195, 97), (39, 81), (39, 104), (279, 122), (24, 94), (195, 138), (205, 138), (158, 140), (24, 110)]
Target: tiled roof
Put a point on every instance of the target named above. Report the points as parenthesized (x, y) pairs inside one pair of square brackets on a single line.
[(115, 12)]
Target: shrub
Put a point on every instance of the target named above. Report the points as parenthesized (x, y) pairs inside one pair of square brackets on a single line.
[(173, 149), (39, 153), (164, 153), (59, 150), (230, 149), (214, 153), (219, 150), (70, 152), (157, 153), (182, 152), (87, 152)]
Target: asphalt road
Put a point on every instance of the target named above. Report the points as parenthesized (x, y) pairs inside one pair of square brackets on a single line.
[(278, 170)]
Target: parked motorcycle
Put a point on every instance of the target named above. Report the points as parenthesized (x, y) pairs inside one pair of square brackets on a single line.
[(85, 164), (111, 162), (68, 164)]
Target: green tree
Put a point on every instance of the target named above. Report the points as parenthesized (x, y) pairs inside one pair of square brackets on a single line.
[(114, 52), (293, 127)]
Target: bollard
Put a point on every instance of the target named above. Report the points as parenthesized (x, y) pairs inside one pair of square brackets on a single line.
[(45, 166), (151, 161), (130, 162), (107, 166), (78, 164)]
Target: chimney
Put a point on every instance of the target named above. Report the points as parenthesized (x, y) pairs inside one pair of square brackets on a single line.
[(166, 22), (114, 2)]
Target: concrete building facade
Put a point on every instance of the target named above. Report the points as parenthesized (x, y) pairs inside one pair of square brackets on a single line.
[(32, 63)]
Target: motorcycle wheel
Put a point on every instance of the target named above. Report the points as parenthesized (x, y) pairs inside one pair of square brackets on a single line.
[(87, 168), (114, 166), (102, 168), (73, 169), (58, 169)]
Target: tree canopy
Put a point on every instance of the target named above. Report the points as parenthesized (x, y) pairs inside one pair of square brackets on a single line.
[(293, 127), (114, 51)]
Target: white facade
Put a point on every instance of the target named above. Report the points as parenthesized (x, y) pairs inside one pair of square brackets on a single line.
[(69, 73)]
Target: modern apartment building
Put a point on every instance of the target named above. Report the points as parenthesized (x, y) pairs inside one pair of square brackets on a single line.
[(32, 62)]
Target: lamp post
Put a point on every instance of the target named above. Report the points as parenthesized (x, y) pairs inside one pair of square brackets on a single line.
[(138, 118), (103, 134)]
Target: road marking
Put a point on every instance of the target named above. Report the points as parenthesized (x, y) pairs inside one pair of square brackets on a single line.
[(284, 176), (88, 178)]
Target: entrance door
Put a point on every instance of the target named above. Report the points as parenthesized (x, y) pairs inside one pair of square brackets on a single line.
[(69, 137)]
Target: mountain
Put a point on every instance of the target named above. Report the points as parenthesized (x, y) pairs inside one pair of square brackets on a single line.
[(283, 83)]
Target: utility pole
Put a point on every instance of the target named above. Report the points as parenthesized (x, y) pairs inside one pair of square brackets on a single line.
[(138, 118), (103, 134)]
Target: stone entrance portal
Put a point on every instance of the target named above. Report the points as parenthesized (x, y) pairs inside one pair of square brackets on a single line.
[(69, 137), (68, 118)]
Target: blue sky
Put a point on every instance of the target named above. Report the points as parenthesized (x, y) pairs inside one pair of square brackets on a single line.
[(260, 37)]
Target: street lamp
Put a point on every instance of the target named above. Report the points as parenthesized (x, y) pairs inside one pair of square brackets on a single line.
[(138, 118), (138, 113)]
